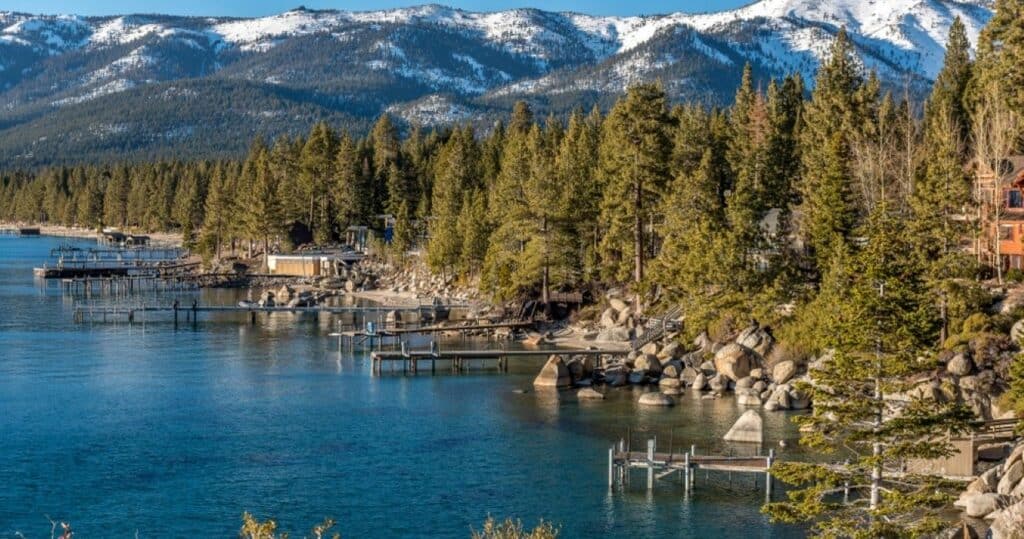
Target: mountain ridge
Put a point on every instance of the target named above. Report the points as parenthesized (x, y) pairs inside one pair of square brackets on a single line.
[(428, 64)]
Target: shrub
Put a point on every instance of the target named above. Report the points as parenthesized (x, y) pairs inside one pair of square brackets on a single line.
[(976, 323), (1015, 275), (510, 529)]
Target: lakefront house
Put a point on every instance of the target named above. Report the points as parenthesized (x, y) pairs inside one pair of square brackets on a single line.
[(1002, 215)]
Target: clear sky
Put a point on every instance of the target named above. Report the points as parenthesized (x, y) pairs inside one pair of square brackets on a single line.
[(243, 8)]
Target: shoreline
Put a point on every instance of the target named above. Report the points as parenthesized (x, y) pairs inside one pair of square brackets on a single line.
[(173, 239)]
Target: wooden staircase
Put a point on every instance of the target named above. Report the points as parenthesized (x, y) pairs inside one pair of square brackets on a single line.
[(656, 327)]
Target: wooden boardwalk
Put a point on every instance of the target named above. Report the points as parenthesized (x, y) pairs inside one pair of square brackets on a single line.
[(461, 359)]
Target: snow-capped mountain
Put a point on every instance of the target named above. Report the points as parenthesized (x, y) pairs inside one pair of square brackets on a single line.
[(159, 84)]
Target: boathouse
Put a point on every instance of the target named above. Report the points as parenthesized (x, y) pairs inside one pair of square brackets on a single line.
[(311, 264)]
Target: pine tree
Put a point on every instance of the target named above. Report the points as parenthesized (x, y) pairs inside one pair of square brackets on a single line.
[(834, 114), (115, 200), (1000, 66), (943, 189), (316, 168), (456, 171), (352, 199), (389, 187), (575, 166), (633, 166), (262, 217), (876, 320), (217, 211)]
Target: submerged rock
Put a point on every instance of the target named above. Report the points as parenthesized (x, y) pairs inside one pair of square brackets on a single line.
[(656, 398), (589, 393)]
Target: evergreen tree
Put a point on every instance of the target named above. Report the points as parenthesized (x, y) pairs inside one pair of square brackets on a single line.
[(1000, 66), (456, 171), (217, 210), (263, 215), (834, 114), (875, 318), (633, 166), (115, 200), (352, 197), (943, 189), (316, 168)]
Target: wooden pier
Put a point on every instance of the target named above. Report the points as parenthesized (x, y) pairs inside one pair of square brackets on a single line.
[(19, 231), (367, 336), (191, 312), (658, 465), (461, 360)]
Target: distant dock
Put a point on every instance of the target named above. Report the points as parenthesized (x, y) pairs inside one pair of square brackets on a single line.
[(19, 231), (462, 359)]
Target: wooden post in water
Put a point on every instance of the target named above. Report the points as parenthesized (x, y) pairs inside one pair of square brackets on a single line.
[(650, 464), (611, 466), (686, 472), (768, 476)]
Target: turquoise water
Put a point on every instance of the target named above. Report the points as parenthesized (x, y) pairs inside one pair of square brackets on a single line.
[(174, 433)]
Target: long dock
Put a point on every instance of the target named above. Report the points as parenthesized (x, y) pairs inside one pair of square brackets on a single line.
[(191, 312), (663, 464), (410, 359)]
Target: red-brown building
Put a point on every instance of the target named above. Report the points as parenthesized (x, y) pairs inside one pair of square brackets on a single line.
[(1002, 215)]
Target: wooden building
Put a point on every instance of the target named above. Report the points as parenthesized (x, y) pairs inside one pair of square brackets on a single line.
[(312, 264), (1001, 198)]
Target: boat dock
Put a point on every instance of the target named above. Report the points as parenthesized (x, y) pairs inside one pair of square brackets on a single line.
[(461, 360), (368, 335), (659, 465), (132, 314), (19, 231)]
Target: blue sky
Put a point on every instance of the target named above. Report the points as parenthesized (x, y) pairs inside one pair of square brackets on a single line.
[(251, 8)]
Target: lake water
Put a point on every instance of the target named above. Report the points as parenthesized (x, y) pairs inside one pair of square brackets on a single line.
[(174, 433)]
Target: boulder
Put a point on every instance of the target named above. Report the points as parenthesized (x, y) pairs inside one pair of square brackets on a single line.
[(617, 304), (553, 374), (771, 405), (648, 363), (1010, 478), (350, 285), (757, 339), (757, 373), (960, 365), (700, 382), (616, 377), (669, 382), (783, 371), (671, 370), (616, 334), (580, 368), (637, 377), (655, 398), (608, 318), (689, 375), (624, 316), (980, 505), (733, 361), (760, 387), (718, 383), (589, 393), (745, 383), (650, 348), (1017, 331), (285, 293), (746, 399), (748, 428), (672, 350), (1008, 523), (703, 342), (798, 400), (708, 368)]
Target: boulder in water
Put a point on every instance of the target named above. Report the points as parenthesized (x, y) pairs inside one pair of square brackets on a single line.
[(656, 398), (553, 374), (589, 393), (748, 428)]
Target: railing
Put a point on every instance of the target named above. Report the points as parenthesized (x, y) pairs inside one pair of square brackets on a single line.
[(655, 328)]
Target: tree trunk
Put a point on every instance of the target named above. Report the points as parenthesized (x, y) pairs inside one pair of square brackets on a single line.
[(544, 295), (638, 240)]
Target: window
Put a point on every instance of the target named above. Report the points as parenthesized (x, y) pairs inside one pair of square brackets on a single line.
[(1014, 199), (1006, 232)]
